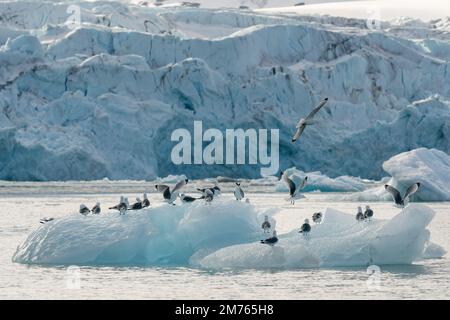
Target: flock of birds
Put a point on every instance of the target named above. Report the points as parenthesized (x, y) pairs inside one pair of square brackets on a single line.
[(208, 194)]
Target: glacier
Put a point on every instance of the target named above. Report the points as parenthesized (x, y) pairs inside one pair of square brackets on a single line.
[(430, 167), (226, 234), (100, 99)]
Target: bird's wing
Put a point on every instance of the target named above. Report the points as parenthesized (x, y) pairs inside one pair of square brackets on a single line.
[(166, 194), (394, 192), (303, 183), (315, 110), (290, 184), (411, 190), (179, 185), (298, 133), (161, 187)]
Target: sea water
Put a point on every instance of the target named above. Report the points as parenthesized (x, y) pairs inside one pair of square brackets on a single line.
[(24, 204)]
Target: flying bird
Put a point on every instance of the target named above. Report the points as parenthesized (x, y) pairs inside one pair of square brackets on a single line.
[(171, 195), (303, 122), (399, 201), (293, 188)]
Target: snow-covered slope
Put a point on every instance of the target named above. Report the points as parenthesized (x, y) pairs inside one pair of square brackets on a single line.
[(226, 234), (101, 99)]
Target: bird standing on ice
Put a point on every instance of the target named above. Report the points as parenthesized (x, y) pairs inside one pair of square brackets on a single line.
[(238, 192), (399, 201), (368, 213), (208, 195), (137, 205), (123, 207), (84, 210), (272, 240), (116, 207), (187, 199), (360, 215), (145, 202), (96, 209), (305, 228), (303, 122), (266, 224), (171, 195), (317, 217), (293, 189)]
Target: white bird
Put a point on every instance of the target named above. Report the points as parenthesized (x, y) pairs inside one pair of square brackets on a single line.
[(303, 122), (293, 189), (399, 201), (266, 224), (208, 196), (359, 215), (317, 217), (84, 210), (238, 192), (305, 228), (116, 207), (96, 209), (123, 207), (171, 195)]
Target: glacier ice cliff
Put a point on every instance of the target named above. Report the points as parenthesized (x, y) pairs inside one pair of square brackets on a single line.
[(101, 99)]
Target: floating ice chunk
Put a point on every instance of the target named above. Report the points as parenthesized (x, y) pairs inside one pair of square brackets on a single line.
[(430, 167), (338, 241), (162, 235), (433, 251)]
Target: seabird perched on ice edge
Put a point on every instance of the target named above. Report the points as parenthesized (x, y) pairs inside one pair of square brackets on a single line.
[(272, 240), (137, 205), (305, 228), (303, 122), (399, 201), (171, 195), (96, 209), (266, 224), (293, 189), (145, 202), (84, 210), (238, 192), (187, 199)]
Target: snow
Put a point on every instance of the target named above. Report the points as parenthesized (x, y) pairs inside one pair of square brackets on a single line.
[(102, 99), (226, 234), (430, 167), (339, 241), (374, 9)]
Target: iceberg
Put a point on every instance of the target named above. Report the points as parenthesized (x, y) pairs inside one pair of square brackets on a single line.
[(166, 235), (320, 182), (339, 241), (430, 167), (226, 234)]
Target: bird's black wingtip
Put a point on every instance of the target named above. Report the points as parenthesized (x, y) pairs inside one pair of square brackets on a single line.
[(293, 140), (326, 99), (386, 186), (418, 184)]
